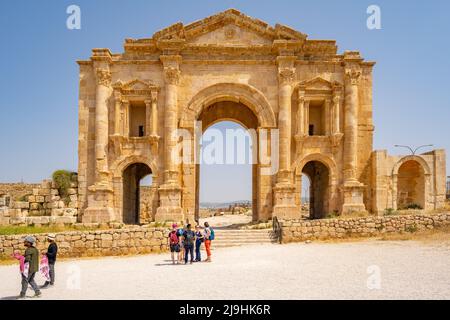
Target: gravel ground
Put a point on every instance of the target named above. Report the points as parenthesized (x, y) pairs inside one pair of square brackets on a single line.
[(406, 269)]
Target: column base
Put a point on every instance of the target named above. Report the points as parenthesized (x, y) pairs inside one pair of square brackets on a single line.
[(99, 209), (284, 200), (98, 215), (353, 198), (170, 208)]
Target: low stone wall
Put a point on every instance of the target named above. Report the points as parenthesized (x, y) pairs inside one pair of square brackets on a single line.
[(95, 243), (301, 230)]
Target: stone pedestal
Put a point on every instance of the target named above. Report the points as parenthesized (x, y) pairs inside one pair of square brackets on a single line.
[(353, 198), (170, 204), (99, 208), (284, 201)]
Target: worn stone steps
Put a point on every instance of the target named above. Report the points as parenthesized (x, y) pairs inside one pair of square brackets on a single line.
[(236, 237)]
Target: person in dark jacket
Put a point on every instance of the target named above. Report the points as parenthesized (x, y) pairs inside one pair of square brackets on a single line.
[(32, 258), (51, 253)]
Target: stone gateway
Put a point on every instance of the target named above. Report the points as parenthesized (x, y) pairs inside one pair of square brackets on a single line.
[(229, 66)]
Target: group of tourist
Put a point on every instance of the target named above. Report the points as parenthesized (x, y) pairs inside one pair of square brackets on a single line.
[(183, 241), (29, 264)]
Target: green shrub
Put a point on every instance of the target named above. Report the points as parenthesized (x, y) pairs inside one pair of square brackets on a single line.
[(414, 206), (411, 228), (62, 180), (389, 211)]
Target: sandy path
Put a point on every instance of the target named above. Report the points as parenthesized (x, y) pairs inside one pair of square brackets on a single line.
[(408, 270)]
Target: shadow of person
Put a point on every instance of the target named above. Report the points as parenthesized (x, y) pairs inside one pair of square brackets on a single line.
[(9, 298)]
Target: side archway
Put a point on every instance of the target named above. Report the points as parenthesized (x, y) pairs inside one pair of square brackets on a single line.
[(321, 173), (411, 183), (133, 204)]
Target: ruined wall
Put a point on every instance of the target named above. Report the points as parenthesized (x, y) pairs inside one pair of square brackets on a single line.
[(300, 230), (95, 243), (38, 205), (17, 190)]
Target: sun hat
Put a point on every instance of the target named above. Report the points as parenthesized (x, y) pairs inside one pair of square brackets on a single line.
[(51, 236), (30, 239)]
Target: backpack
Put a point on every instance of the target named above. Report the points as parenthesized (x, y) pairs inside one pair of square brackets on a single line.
[(189, 236), (211, 235), (180, 232), (173, 237)]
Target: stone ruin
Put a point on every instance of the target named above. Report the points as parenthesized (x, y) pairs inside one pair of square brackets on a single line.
[(36, 205)]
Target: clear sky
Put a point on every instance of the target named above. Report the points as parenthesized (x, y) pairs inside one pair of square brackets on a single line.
[(39, 76)]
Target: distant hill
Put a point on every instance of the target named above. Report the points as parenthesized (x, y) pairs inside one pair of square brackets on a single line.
[(214, 205)]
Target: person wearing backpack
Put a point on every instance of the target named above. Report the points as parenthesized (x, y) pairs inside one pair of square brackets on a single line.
[(173, 241), (209, 236), (180, 233), (199, 238), (188, 241)]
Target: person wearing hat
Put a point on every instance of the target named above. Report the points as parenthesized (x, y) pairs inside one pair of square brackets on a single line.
[(32, 258), (51, 253)]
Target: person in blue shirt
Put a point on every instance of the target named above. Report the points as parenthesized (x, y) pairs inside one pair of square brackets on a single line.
[(198, 243)]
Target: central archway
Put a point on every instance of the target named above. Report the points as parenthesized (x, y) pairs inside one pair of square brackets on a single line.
[(246, 118)]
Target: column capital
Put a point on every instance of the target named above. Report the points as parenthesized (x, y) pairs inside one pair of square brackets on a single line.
[(172, 75), (353, 75), (125, 102), (154, 95), (301, 93), (286, 75), (103, 76)]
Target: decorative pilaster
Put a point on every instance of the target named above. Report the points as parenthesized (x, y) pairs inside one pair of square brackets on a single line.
[(328, 119), (100, 196), (125, 121), (301, 112), (284, 190), (154, 131), (148, 115), (117, 113), (170, 192)]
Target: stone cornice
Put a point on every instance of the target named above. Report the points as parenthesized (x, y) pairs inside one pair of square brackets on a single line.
[(135, 87)]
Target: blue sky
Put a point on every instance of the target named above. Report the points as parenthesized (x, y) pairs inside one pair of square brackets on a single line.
[(39, 76)]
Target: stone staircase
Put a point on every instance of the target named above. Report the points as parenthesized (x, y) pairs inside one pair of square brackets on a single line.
[(237, 237)]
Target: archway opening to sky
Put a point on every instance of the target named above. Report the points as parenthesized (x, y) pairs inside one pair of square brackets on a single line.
[(226, 174)]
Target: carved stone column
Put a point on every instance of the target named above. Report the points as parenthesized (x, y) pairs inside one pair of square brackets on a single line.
[(306, 118), (353, 189), (125, 121), (102, 95), (154, 131), (100, 193), (327, 117), (301, 113), (117, 113), (148, 115), (284, 191), (336, 113), (170, 192)]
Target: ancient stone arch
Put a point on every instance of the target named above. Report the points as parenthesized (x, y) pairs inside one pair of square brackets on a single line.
[(317, 103), (423, 181), (235, 92), (332, 196)]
